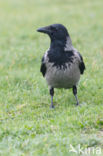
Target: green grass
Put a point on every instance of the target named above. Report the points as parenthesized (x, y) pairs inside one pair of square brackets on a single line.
[(27, 125)]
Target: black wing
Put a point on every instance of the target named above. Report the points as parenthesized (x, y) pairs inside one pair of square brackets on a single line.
[(43, 67), (81, 65)]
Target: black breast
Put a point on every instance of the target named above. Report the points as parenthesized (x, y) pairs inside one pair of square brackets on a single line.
[(60, 59)]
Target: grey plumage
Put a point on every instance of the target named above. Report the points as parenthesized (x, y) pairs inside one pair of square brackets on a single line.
[(62, 64), (60, 77)]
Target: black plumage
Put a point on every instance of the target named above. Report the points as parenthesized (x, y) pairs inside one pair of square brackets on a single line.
[(55, 58), (43, 67), (81, 65), (62, 64)]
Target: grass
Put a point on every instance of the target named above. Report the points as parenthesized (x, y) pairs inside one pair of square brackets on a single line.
[(27, 125)]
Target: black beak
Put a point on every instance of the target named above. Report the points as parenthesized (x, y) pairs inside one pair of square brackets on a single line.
[(45, 30)]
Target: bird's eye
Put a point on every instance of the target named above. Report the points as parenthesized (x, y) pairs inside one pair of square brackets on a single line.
[(53, 28), (52, 33)]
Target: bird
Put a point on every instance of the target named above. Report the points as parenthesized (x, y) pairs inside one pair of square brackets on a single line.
[(62, 64)]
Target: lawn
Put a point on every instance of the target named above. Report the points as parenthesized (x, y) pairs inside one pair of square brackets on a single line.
[(28, 127)]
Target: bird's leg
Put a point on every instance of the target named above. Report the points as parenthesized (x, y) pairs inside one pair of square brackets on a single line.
[(52, 94), (75, 94)]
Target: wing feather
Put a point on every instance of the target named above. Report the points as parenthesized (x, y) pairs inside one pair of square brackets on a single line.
[(43, 67), (81, 65)]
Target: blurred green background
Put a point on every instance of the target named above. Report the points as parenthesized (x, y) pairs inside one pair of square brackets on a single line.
[(27, 125)]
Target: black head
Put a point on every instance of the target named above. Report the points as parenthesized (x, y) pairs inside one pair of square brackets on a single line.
[(55, 32)]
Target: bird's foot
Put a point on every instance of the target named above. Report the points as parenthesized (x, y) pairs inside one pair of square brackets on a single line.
[(52, 106), (77, 104)]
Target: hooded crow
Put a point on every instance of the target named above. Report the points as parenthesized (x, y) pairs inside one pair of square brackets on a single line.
[(62, 64)]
